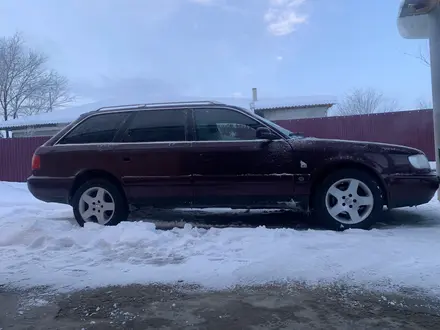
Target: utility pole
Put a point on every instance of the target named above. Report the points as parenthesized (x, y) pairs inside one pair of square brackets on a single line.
[(420, 19), (434, 46)]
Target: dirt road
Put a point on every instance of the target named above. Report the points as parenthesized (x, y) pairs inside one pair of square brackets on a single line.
[(165, 307)]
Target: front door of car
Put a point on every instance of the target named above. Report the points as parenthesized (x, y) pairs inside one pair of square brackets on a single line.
[(232, 167), (155, 158)]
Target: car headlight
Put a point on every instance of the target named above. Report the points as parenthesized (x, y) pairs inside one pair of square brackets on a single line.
[(419, 161)]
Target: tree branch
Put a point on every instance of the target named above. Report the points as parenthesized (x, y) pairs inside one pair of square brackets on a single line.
[(365, 101), (422, 57)]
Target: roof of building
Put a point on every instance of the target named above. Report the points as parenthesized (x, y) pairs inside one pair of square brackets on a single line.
[(273, 105), (68, 115)]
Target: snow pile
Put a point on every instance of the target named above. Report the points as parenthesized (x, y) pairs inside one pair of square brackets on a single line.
[(41, 245)]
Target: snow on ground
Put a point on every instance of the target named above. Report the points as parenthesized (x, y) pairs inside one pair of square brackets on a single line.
[(41, 245)]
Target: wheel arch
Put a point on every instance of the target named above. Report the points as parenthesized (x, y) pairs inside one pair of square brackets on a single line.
[(345, 164), (87, 175)]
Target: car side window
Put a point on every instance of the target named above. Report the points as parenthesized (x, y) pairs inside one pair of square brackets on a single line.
[(96, 129), (157, 126), (224, 125)]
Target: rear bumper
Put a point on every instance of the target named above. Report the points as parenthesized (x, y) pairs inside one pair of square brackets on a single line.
[(50, 190), (409, 190)]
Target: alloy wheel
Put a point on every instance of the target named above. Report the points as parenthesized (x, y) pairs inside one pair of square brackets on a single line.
[(349, 201), (96, 205)]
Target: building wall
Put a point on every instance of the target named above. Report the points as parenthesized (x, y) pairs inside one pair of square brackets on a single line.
[(295, 113)]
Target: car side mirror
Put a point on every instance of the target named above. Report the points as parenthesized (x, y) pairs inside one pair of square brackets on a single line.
[(265, 133)]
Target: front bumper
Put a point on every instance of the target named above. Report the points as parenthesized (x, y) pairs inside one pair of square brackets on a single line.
[(411, 190)]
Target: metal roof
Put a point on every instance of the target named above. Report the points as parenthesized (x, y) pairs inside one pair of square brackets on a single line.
[(66, 116)]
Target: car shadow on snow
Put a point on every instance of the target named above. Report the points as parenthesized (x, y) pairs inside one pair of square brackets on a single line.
[(168, 219)]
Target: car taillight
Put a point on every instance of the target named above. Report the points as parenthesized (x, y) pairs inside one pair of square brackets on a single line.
[(35, 162)]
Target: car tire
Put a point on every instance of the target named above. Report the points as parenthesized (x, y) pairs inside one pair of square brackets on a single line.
[(338, 205), (102, 201)]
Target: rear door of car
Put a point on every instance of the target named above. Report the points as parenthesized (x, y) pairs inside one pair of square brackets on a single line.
[(154, 157), (88, 145), (231, 166)]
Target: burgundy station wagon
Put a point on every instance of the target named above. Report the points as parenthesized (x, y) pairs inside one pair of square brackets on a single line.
[(209, 154)]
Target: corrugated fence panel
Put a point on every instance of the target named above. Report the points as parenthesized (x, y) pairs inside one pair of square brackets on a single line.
[(16, 156), (410, 128)]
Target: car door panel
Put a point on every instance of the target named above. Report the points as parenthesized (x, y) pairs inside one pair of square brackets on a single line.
[(241, 172), (250, 169), (156, 172)]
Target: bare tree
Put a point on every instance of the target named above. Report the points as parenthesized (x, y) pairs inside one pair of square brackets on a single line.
[(422, 57), (422, 104), (53, 93), (365, 101), (26, 85)]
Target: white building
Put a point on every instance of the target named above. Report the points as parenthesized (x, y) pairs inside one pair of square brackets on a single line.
[(289, 111), (48, 124)]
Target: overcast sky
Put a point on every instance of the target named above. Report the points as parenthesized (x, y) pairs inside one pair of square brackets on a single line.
[(223, 47)]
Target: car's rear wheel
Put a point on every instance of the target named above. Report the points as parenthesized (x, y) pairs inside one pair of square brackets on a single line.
[(100, 202), (348, 199)]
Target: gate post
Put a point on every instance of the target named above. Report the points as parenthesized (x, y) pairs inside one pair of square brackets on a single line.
[(420, 19), (434, 46)]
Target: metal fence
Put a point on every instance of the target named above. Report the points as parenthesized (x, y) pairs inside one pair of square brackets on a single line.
[(410, 128), (16, 156)]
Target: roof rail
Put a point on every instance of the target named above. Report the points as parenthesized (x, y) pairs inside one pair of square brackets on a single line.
[(156, 104)]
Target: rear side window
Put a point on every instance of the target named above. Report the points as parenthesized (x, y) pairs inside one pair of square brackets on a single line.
[(157, 126), (96, 129)]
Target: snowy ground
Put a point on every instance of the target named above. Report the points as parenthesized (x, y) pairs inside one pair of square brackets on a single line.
[(41, 245)]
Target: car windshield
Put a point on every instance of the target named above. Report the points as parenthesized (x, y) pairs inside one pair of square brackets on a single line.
[(283, 130)]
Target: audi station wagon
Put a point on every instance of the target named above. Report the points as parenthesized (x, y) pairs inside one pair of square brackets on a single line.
[(209, 154)]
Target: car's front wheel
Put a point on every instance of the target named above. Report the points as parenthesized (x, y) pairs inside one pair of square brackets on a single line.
[(100, 202), (349, 199)]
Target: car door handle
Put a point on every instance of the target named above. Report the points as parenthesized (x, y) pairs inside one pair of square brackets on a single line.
[(126, 159)]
